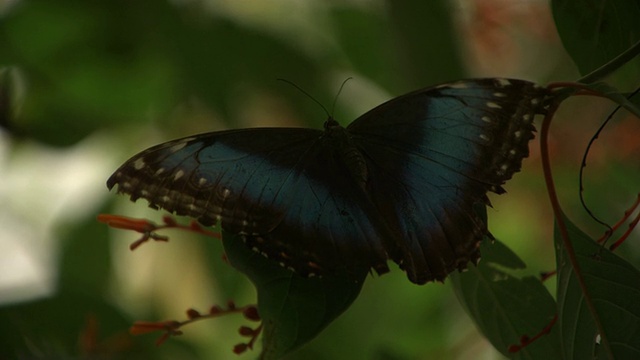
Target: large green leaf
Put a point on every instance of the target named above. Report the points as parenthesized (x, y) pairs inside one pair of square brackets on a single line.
[(82, 74), (293, 309), (425, 41), (362, 34), (596, 31), (89, 72), (611, 330), (400, 49), (506, 307), (218, 59)]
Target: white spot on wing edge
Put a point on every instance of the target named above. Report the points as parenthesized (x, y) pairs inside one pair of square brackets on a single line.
[(459, 85), (177, 147), (454, 85), (503, 82), (139, 164), (226, 193), (186, 140), (493, 105), (178, 175)]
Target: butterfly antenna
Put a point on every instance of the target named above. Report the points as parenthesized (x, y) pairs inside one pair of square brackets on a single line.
[(308, 95), (335, 100), (584, 164)]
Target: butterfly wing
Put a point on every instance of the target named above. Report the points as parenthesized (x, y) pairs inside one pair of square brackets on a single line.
[(432, 156), (284, 191)]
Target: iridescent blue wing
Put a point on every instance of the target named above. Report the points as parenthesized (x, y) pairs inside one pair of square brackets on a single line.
[(432, 156), (285, 191)]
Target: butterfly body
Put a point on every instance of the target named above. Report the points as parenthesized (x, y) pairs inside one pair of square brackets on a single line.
[(399, 183)]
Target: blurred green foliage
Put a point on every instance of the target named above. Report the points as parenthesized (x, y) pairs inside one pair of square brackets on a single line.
[(140, 72)]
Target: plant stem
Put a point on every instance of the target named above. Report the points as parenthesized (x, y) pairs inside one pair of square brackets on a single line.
[(612, 65), (562, 227)]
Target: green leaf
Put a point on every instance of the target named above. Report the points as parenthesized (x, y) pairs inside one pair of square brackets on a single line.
[(596, 31), (54, 328), (85, 263), (612, 285), (293, 309), (362, 35), (7, 97), (425, 39), (88, 72), (505, 307)]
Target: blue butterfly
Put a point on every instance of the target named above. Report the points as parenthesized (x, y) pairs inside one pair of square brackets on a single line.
[(399, 183)]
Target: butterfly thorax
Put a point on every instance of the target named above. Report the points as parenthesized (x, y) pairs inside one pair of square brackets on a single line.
[(346, 152)]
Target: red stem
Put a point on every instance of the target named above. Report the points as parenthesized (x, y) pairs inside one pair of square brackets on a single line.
[(564, 234)]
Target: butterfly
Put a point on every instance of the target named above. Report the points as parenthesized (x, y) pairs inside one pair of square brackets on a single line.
[(400, 183)]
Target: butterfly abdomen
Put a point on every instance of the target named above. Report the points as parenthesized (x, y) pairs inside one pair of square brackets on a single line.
[(347, 153)]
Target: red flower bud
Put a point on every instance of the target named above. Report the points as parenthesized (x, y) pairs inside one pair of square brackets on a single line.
[(240, 348), (215, 310), (192, 314), (246, 331), (251, 313)]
